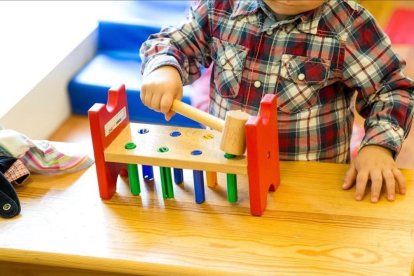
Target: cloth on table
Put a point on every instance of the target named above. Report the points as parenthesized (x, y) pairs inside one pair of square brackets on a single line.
[(41, 156)]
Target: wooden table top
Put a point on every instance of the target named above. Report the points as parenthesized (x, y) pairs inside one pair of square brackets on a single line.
[(311, 226)]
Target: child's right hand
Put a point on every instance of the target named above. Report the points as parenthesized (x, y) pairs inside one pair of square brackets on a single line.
[(160, 88)]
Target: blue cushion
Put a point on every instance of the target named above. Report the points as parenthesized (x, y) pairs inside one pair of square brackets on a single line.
[(117, 62)]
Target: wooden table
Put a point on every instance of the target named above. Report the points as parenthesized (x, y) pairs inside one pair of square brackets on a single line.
[(311, 226)]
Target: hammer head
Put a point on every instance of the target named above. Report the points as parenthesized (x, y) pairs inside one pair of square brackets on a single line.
[(233, 139)]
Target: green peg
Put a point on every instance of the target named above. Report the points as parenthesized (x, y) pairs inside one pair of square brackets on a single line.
[(133, 176), (231, 182)]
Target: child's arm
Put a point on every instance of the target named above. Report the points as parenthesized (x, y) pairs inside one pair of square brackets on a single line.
[(173, 58), (374, 163), (385, 99)]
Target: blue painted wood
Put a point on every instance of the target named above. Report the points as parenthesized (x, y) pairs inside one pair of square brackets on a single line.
[(199, 186), (148, 172), (178, 176)]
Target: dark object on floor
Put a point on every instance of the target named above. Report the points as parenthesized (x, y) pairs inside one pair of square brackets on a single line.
[(9, 202)]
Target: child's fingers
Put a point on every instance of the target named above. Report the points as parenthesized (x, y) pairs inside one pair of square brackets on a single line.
[(146, 98), (155, 102), (350, 177), (376, 184), (169, 115), (143, 93), (390, 183), (166, 102), (361, 183), (400, 180)]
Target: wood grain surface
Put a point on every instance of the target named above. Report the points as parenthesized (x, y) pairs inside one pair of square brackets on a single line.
[(176, 149), (310, 227)]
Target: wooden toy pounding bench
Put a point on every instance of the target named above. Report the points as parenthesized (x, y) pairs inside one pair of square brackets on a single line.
[(119, 146)]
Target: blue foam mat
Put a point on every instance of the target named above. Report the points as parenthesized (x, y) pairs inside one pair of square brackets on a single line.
[(117, 62)]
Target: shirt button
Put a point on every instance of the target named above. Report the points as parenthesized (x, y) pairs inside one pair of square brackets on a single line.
[(269, 32), (301, 77), (257, 84), (223, 61)]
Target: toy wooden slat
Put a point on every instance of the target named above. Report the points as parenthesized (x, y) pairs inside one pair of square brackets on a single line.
[(106, 122), (180, 147)]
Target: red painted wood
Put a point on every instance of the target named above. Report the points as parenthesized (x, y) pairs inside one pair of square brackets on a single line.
[(261, 139), (262, 154), (99, 116)]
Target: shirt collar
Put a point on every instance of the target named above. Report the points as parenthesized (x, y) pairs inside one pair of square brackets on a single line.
[(243, 7), (266, 10), (250, 9)]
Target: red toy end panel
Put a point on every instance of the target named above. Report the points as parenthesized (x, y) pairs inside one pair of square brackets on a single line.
[(262, 154), (106, 122)]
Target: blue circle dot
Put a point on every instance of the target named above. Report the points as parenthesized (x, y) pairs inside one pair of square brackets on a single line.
[(143, 131), (175, 134), (196, 152)]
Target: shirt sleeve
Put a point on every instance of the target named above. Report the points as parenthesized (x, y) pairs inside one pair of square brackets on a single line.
[(185, 47), (385, 95)]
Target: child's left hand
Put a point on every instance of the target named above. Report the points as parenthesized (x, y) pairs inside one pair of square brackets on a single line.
[(374, 164)]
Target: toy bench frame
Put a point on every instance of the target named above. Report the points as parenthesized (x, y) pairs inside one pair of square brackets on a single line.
[(111, 130)]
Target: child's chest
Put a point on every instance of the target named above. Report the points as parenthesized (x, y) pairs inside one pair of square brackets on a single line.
[(298, 65), (265, 45)]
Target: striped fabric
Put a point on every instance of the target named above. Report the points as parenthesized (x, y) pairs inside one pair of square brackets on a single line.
[(45, 158), (314, 62), (41, 156)]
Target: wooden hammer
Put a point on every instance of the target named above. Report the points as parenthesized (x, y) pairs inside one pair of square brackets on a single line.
[(233, 138)]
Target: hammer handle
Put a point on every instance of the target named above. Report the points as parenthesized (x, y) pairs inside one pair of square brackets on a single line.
[(198, 115)]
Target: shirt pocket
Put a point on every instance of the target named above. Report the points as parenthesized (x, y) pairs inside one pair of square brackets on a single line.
[(301, 79), (229, 62)]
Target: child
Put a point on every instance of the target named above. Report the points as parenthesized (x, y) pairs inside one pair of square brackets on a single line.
[(313, 55)]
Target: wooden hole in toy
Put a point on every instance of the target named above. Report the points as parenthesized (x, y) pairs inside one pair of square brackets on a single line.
[(130, 145), (196, 152), (208, 136), (143, 131), (175, 134), (163, 149), (229, 156)]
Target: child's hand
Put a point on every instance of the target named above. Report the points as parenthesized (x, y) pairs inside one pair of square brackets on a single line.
[(375, 164), (160, 88)]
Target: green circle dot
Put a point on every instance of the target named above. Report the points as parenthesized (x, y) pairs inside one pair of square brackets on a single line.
[(130, 145), (163, 149), (229, 156)]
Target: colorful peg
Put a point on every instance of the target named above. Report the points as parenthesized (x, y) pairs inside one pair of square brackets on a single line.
[(198, 181), (166, 179), (133, 176), (231, 183), (198, 186), (178, 176), (166, 182), (231, 188), (211, 179), (147, 172)]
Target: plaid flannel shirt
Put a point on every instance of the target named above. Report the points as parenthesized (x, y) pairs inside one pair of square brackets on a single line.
[(313, 62)]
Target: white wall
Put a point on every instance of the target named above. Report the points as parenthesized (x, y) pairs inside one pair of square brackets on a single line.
[(43, 43), (45, 107)]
